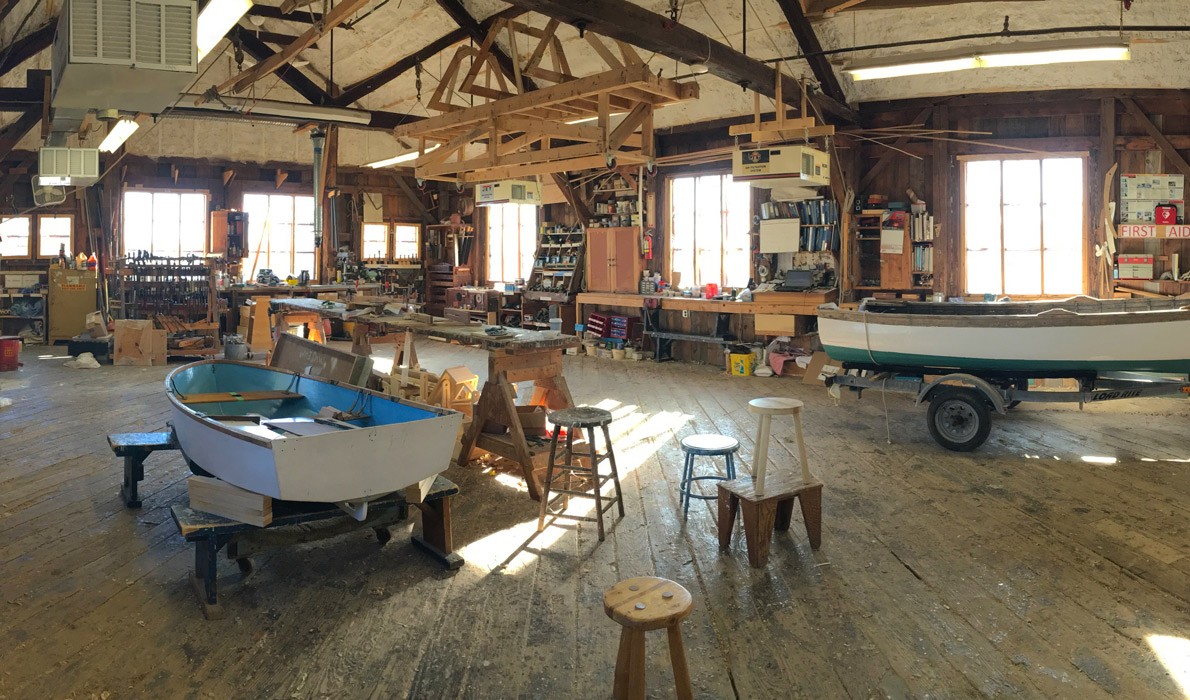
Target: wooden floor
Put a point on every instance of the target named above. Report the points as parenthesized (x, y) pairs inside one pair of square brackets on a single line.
[(1054, 562)]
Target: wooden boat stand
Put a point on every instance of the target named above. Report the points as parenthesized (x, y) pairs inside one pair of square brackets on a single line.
[(497, 404), (212, 533)]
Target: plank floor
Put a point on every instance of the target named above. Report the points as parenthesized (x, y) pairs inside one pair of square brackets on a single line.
[(1053, 562)]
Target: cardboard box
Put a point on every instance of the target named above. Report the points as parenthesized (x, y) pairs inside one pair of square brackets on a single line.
[(821, 366), (138, 343)]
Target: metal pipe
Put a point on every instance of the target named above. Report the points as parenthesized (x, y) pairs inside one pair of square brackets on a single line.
[(1002, 34), (318, 137)]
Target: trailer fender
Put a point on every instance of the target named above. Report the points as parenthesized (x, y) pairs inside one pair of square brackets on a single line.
[(968, 380)]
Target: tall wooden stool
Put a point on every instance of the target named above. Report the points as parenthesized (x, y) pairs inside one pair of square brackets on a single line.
[(708, 446), (577, 419), (639, 605), (769, 506)]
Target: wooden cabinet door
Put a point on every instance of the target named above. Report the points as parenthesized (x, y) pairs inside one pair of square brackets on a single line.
[(598, 257), (627, 263)]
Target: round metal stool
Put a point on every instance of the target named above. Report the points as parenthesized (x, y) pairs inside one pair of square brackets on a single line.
[(708, 446), (576, 420)]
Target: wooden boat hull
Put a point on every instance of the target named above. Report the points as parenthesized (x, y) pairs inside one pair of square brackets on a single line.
[(400, 443), (1055, 341)]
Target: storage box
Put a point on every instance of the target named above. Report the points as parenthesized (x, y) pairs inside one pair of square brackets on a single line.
[(21, 280), (1135, 267), (741, 364)]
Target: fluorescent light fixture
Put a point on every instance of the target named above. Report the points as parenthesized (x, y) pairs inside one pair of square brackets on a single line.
[(1036, 54), (1040, 58), (920, 68), (215, 20), (292, 110), (584, 120), (403, 158), (119, 133)]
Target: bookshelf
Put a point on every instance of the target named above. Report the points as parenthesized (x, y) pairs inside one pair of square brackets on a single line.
[(892, 251)]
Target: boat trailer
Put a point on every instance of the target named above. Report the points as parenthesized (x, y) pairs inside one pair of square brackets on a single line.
[(961, 403)]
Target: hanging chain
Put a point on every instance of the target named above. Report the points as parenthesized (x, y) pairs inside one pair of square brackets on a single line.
[(417, 79)]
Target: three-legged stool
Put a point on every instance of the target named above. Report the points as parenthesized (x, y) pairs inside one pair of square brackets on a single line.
[(704, 445), (577, 419), (639, 605)]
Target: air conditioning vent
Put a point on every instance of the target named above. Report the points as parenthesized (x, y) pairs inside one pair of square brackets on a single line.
[(69, 166)]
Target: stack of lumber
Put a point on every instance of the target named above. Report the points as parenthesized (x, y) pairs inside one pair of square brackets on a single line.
[(220, 498)]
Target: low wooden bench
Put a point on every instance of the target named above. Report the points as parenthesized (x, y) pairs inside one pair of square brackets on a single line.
[(297, 523), (663, 339), (134, 448)]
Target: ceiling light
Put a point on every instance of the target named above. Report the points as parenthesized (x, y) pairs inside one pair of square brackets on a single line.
[(1036, 54), (119, 133), (256, 20), (403, 158), (292, 110), (299, 62), (699, 68), (584, 120), (215, 20)]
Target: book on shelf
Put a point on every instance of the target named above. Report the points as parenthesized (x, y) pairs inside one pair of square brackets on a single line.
[(811, 212), (923, 259), (921, 227)]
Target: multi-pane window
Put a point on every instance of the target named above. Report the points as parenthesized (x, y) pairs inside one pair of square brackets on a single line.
[(14, 236), (512, 241), (166, 224), (53, 232), (1023, 225), (405, 241), (710, 230), (280, 235)]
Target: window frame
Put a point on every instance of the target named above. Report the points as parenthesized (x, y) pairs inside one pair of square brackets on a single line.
[(390, 238), (206, 220), (666, 201), (28, 241), (37, 246), (537, 219), (249, 252), (962, 204)]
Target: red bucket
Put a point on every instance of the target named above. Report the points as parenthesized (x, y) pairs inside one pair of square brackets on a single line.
[(10, 353)]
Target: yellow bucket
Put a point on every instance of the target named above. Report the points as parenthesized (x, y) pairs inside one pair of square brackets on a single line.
[(741, 364)]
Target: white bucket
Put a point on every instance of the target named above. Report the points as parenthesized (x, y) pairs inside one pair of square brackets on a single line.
[(556, 324)]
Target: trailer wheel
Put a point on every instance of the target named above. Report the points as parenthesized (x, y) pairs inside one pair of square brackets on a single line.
[(959, 419)]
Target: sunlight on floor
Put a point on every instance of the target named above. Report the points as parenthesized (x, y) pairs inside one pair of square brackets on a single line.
[(636, 437), (1099, 460), (1180, 461), (1174, 654)]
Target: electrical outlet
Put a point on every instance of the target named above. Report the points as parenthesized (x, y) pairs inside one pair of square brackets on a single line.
[(685, 313)]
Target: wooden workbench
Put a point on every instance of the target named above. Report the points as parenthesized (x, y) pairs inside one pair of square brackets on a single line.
[(519, 356), (796, 303)]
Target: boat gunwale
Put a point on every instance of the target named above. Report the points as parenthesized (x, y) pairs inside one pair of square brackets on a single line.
[(1044, 319), (171, 394)]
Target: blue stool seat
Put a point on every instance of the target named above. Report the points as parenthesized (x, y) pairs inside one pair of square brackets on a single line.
[(706, 446)]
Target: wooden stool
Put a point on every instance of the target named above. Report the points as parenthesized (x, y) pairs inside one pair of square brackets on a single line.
[(766, 408), (765, 512), (575, 419), (639, 605), (706, 445)]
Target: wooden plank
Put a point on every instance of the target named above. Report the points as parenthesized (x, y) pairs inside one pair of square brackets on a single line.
[(220, 498), (226, 396), (26, 47), (254, 45), (1173, 159)]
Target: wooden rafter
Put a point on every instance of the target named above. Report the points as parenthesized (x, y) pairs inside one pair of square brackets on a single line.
[(277, 38), (12, 134), (1172, 157), (27, 47), (255, 47), (270, 12), (812, 48), (818, 8), (338, 15), (479, 34), (633, 24)]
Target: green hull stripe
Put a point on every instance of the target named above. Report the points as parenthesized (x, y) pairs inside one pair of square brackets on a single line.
[(901, 359)]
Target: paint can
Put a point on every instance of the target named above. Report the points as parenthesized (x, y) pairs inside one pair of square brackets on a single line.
[(10, 353)]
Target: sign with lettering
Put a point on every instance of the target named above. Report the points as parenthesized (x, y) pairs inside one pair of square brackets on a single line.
[(1153, 231)]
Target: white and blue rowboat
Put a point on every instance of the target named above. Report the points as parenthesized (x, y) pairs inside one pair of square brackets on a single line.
[(299, 438), (1075, 336)]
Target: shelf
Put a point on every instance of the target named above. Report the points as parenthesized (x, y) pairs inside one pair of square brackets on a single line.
[(923, 243)]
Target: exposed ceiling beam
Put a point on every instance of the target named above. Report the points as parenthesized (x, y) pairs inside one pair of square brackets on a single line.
[(19, 99), (255, 47), (338, 15), (12, 134), (380, 121), (818, 8), (6, 7), (1172, 157), (626, 21), (27, 47), (478, 33), (270, 12), (812, 48), (272, 37), (357, 91)]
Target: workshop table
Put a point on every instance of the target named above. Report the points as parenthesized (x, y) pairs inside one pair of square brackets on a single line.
[(517, 356)]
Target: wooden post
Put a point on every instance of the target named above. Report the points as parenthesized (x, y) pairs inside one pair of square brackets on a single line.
[(948, 276), (1099, 281)]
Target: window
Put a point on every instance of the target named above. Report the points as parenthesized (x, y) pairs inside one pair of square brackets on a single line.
[(52, 233), (14, 237), (375, 242), (710, 218), (1023, 225), (167, 224), (512, 241), (280, 234), (406, 241)]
